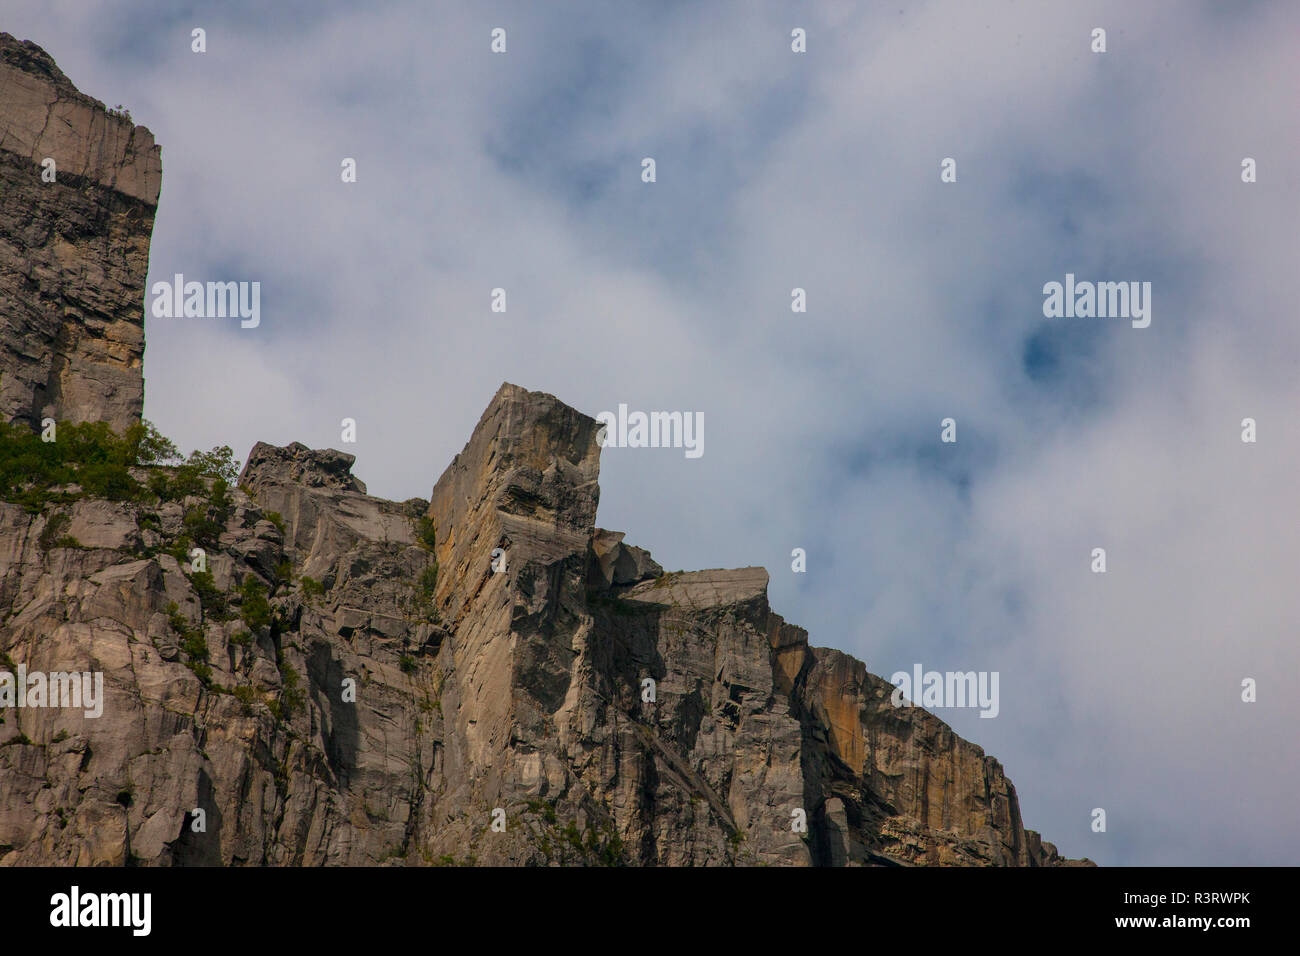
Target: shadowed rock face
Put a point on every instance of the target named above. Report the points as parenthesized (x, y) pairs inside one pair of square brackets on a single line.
[(517, 681), (74, 253)]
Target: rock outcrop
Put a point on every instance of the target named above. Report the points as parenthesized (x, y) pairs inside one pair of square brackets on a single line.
[(74, 251), (430, 667)]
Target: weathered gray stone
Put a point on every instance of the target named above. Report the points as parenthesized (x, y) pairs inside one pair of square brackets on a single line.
[(616, 564), (526, 689), (298, 464), (74, 253)]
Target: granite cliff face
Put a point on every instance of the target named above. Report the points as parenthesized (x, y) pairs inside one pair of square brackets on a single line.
[(501, 662), (332, 678), (73, 251)]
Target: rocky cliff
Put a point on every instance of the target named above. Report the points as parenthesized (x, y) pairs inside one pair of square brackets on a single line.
[(296, 672), (79, 186), (353, 681)]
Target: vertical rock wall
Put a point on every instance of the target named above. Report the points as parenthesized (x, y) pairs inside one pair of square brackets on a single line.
[(74, 253)]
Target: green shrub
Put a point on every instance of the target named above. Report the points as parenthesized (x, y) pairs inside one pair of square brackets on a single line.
[(200, 526), (50, 534), (204, 673), (103, 479), (248, 699), (426, 586), (188, 476), (218, 463), (193, 644), (292, 698), (429, 579), (175, 619), (219, 502), (211, 598), (180, 549), (184, 482), (254, 609), (90, 455), (426, 532), (204, 523), (149, 446)]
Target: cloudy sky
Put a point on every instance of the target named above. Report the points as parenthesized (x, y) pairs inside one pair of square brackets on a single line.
[(820, 170)]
